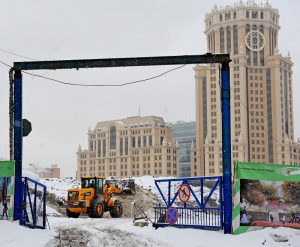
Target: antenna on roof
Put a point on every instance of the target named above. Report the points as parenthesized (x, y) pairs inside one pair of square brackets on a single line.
[(139, 110)]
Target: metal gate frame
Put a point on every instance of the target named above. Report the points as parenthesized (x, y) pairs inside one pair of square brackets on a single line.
[(15, 109), (208, 217), (30, 209)]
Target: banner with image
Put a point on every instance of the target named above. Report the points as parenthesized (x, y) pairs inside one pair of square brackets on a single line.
[(7, 172), (266, 195)]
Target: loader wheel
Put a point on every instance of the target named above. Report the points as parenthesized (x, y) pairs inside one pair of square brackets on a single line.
[(98, 209), (116, 211), (72, 214)]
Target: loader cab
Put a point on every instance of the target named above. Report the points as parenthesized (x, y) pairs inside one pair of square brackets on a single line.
[(93, 182)]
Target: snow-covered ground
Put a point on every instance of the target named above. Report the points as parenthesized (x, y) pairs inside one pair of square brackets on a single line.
[(121, 232), (14, 235)]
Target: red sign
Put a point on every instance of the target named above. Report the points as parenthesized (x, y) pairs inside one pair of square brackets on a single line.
[(184, 193)]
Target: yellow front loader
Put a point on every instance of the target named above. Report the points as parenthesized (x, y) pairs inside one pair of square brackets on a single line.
[(94, 198)]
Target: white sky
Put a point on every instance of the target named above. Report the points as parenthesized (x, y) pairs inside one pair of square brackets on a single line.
[(52, 30)]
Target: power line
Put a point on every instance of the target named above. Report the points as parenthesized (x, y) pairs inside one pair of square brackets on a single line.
[(99, 85), (6, 64), (17, 55), (105, 85)]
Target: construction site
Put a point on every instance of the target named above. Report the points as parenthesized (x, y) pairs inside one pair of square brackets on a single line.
[(239, 182)]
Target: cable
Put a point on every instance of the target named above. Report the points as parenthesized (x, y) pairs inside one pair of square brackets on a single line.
[(83, 85), (6, 64), (105, 85), (99, 85), (17, 55)]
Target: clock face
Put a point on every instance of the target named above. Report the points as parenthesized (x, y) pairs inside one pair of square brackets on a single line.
[(255, 40)]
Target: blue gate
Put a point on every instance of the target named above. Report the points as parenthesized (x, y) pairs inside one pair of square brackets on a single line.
[(33, 212), (190, 202)]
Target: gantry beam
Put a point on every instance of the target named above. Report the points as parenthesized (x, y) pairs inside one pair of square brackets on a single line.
[(223, 59), (122, 62)]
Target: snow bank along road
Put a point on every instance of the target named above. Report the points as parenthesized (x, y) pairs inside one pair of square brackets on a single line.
[(121, 232)]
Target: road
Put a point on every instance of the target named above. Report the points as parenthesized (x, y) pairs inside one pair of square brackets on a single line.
[(97, 232)]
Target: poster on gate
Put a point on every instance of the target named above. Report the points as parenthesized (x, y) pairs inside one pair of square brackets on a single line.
[(266, 195), (7, 172)]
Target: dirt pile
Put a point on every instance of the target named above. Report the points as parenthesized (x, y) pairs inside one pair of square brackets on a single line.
[(145, 200)]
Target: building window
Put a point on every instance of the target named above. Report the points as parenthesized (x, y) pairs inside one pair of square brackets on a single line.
[(221, 18), (254, 14), (255, 58), (234, 15), (247, 49), (150, 140), (261, 15), (247, 14), (104, 148), (121, 146), (228, 39), (161, 140), (222, 40), (227, 17), (112, 137), (99, 148), (262, 59), (126, 145), (235, 40)]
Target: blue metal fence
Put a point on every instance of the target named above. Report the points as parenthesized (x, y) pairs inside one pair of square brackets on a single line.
[(204, 208), (33, 213)]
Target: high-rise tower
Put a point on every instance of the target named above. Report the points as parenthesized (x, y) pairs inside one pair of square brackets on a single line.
[(262, 127)]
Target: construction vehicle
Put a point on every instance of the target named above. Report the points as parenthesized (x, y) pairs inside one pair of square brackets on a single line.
[(127, 186), (95, 197)]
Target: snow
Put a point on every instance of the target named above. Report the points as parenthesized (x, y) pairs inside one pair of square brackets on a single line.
[(121, 232), (60, 186), (14, 235), (30, 174), (52, 212)]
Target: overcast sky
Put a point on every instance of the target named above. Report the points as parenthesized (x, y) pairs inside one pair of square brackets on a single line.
[(68, 29)]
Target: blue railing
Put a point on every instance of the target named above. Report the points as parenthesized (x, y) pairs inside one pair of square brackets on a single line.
[(33, 208), (190, 217), (198, 212)]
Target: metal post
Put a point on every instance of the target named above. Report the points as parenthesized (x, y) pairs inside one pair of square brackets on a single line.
[(44, 206), (202, 191), (34, 218), (169, 194), (226, 146), (18, 143), (221, 201)]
